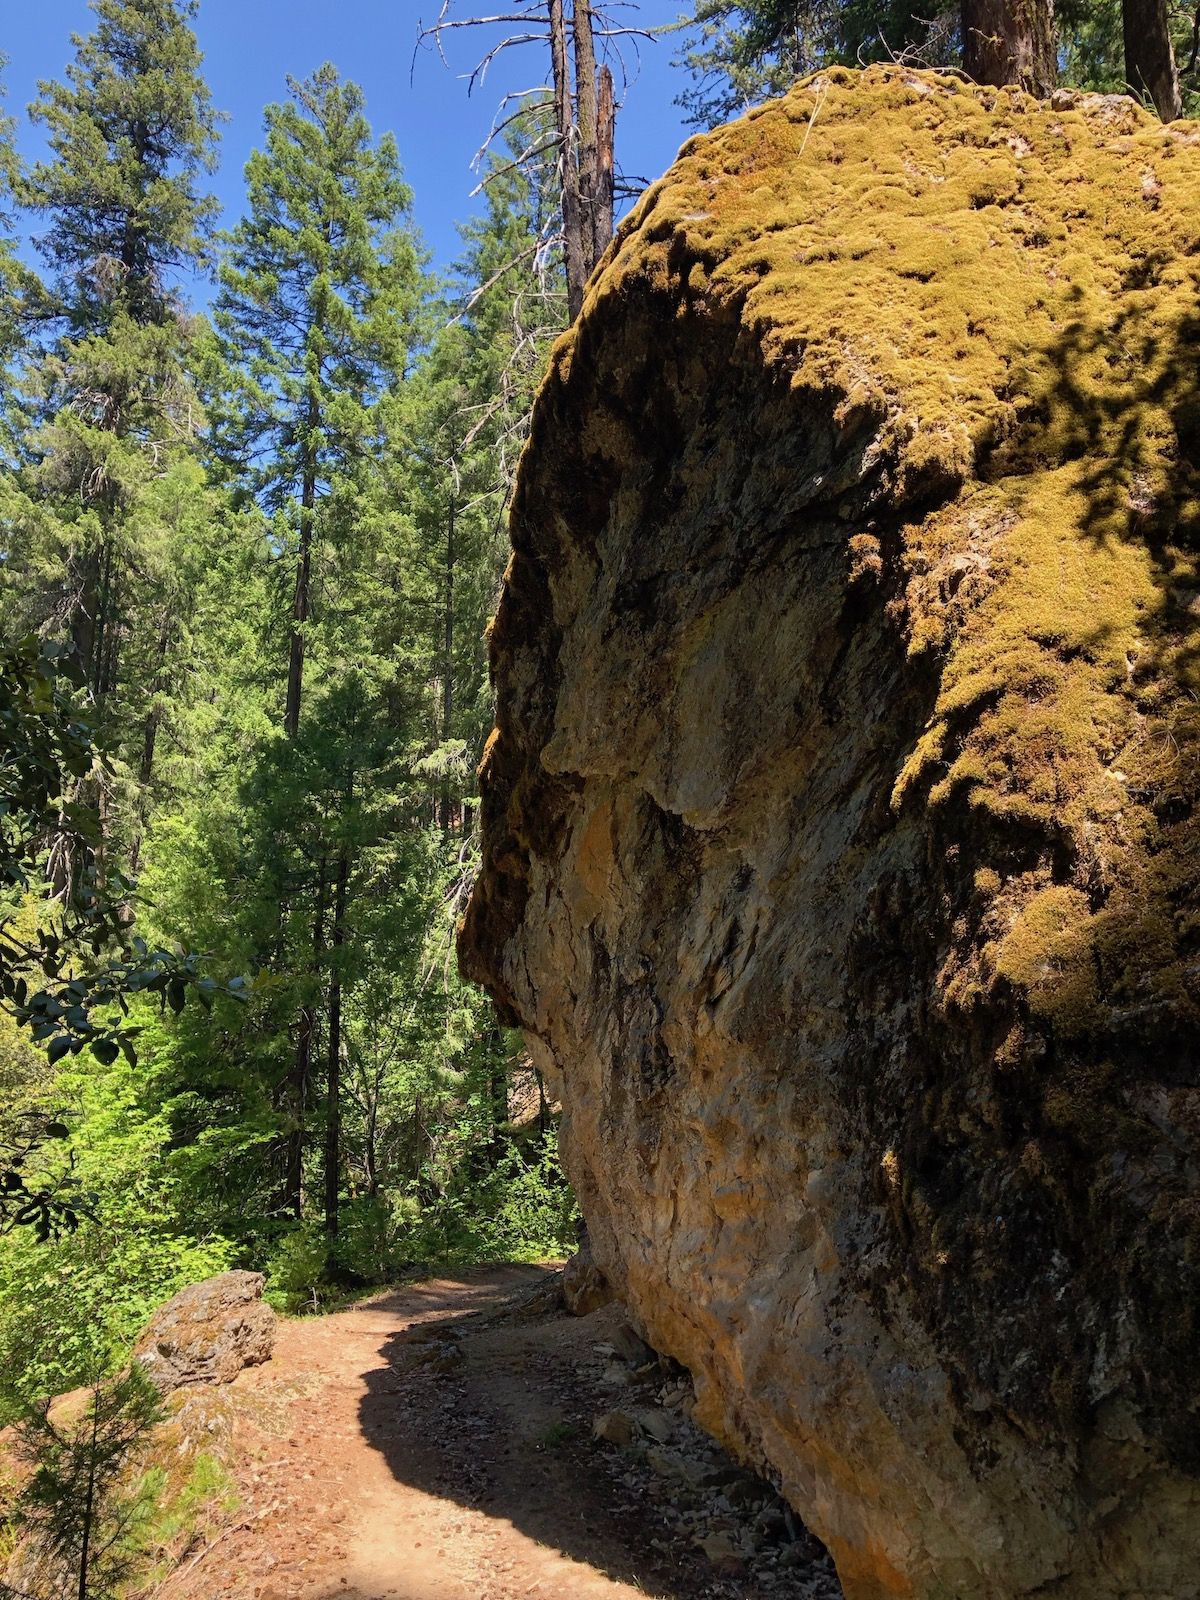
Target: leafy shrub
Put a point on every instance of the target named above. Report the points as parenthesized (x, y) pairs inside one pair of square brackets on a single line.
[(521, 1209), (297, 1269)]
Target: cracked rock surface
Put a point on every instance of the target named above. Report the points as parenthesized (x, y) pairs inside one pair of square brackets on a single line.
[(840, 856)]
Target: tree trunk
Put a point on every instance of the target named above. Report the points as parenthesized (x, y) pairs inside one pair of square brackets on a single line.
[(300, 601), (586, 120), (89, 1503), (333, 1107), (1010, 42), (301, 1073), (102, 661), (83, 578), (497, 1093), (1150, 69), (573, 246), (150, 727), (448, 663), (370, 1160), (293, 1198), (605, 141)]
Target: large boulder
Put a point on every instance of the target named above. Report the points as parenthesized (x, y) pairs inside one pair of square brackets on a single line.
[(841, 856), (208, 1332)]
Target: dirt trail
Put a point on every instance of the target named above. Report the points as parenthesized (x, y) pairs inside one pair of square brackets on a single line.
[(434, 1443)]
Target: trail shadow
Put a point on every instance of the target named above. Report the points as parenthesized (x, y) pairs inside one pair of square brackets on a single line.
[(487, 1434), (476, 1401)]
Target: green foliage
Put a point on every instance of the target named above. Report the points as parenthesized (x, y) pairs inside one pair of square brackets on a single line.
[(71, 1308), (131, 133), (251, 564), (77, 939), (298, 1269), (519, 1209), (741, 52), (77, 1513), (180, 1513)]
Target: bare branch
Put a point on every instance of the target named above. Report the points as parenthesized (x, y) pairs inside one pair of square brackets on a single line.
[(499, 126), (549, 141), (480, 70)]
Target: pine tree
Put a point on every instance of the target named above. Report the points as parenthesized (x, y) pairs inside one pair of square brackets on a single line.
[(132, 132), (106, 493), (10, 272), (319, 308), (78, 1505)]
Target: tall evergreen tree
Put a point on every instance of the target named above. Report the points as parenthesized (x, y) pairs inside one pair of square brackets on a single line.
[(106, 496), (9, 268), (132, 133), (320, 306), (317, 308)]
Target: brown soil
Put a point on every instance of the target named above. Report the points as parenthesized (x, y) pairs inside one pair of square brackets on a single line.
[(435, 1443)]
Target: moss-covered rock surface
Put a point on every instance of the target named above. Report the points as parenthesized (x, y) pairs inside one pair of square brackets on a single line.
[(841, 847)]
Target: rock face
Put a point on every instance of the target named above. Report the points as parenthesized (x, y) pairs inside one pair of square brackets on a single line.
[(841, 856), (209, 1332), (584, 1287)]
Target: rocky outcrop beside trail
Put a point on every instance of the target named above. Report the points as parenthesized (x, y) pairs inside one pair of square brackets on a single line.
[(841, 859), (208, 1332)]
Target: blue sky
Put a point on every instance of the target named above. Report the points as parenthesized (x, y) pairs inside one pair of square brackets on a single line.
[(251, 45)]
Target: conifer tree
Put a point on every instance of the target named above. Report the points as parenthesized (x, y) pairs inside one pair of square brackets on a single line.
[(320, 304), (106, 493), (78, 1505), (10, 272), (317, 307)]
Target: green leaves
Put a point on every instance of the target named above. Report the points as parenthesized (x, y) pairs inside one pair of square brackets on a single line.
[(79, 939)]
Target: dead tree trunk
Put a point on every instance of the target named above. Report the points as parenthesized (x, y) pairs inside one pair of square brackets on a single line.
[(586, 146), (605, 140), (1150, 69), (564, 118), (584, 115), (1010, 42), (586, 121)]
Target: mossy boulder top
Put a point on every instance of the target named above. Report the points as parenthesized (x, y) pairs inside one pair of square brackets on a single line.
[(998, 301), (208, 1332)]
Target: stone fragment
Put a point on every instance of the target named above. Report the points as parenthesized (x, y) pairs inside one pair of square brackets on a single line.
[(584, 1287), (630, 1346), (614, 1427), (683, 1469), (616, 1375), (721, 1550), (654, 1422), (208, 1332)]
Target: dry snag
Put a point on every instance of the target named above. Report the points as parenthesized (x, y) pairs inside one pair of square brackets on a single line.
[(582, 44)]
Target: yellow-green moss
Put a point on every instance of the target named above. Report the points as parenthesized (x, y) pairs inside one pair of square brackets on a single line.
[(1010, 294)]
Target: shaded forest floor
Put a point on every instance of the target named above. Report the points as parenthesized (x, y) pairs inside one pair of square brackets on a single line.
[(437, 1443)]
